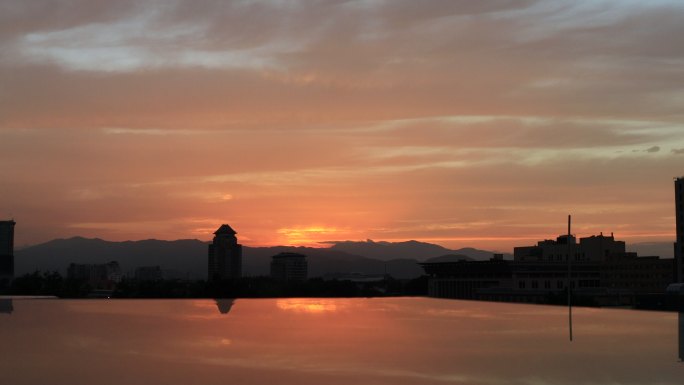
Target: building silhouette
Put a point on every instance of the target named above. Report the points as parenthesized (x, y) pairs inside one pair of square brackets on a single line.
[(225, 255), (602, 269), (289, 267), (6, 252), (679, 215), (103, 276), (149, 273)]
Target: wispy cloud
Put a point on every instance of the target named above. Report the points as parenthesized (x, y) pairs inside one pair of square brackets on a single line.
[(358, 116)]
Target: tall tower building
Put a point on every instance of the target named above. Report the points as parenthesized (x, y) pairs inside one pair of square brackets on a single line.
[(225, 255), (6, 251), (679, 214)]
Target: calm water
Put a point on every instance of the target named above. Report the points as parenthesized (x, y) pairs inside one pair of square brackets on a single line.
[(332, 341)]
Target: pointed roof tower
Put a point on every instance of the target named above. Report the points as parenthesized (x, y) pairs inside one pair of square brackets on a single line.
[(225, 229)]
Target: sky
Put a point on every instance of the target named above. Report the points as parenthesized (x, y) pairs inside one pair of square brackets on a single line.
[(462, 123)]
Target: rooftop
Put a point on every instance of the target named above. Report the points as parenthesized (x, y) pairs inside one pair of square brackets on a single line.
[(289, 255), (225, 229)]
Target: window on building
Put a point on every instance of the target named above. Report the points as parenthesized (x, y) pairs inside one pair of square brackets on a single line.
[(521, 284)]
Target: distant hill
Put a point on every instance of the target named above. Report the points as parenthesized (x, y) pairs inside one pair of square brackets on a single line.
[(449, 258), (188, 257), (420, 251), (322, 261)]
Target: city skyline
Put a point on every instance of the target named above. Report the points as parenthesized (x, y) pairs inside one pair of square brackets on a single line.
[(461, 124)]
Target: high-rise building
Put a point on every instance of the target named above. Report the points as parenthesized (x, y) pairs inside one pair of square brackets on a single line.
[(225, 255), (6, 251), (289, 267), (679, 215)]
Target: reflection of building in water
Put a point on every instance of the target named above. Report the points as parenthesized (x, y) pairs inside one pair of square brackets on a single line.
[(6, 252), (98, 276), (6, 306), (225, 255), (224, 305), (601, 269), (289, 267)]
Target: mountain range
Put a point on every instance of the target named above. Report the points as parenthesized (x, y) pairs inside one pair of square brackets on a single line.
[(187, 258)]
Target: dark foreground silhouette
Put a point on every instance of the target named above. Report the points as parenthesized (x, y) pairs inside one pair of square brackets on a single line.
[(54, 284)]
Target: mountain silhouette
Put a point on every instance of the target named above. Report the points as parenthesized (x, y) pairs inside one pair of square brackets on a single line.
[(408, 249), (178, 258), (187, 258), (449, 258)]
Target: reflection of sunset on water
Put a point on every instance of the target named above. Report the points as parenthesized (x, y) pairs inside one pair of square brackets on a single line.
[(308, 305), (306, 341)]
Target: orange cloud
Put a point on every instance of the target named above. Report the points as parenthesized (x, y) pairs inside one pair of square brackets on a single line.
[(463, 123)]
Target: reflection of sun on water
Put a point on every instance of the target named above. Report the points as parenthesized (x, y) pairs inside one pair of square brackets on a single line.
[(307, 305)]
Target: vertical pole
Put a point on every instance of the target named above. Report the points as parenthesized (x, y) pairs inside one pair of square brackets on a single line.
[(569, 278)]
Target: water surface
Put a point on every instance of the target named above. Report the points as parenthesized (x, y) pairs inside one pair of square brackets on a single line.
[(332, 341)]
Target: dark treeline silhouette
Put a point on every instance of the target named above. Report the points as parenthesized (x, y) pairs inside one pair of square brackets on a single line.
[(52, 283), (48, 283)]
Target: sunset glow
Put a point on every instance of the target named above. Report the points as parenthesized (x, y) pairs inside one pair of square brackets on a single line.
[(466, 124), (308, 305)]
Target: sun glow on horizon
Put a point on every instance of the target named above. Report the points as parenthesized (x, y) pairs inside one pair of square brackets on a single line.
[(308, 236)]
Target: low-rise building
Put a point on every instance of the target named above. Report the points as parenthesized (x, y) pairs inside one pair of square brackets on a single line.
[(598, 267), (637, 274), (465, 279), (98, 276), (149, 273), (289, 267)]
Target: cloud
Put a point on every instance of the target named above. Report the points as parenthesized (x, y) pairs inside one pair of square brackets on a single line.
[(199, 63), (362, 116)]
